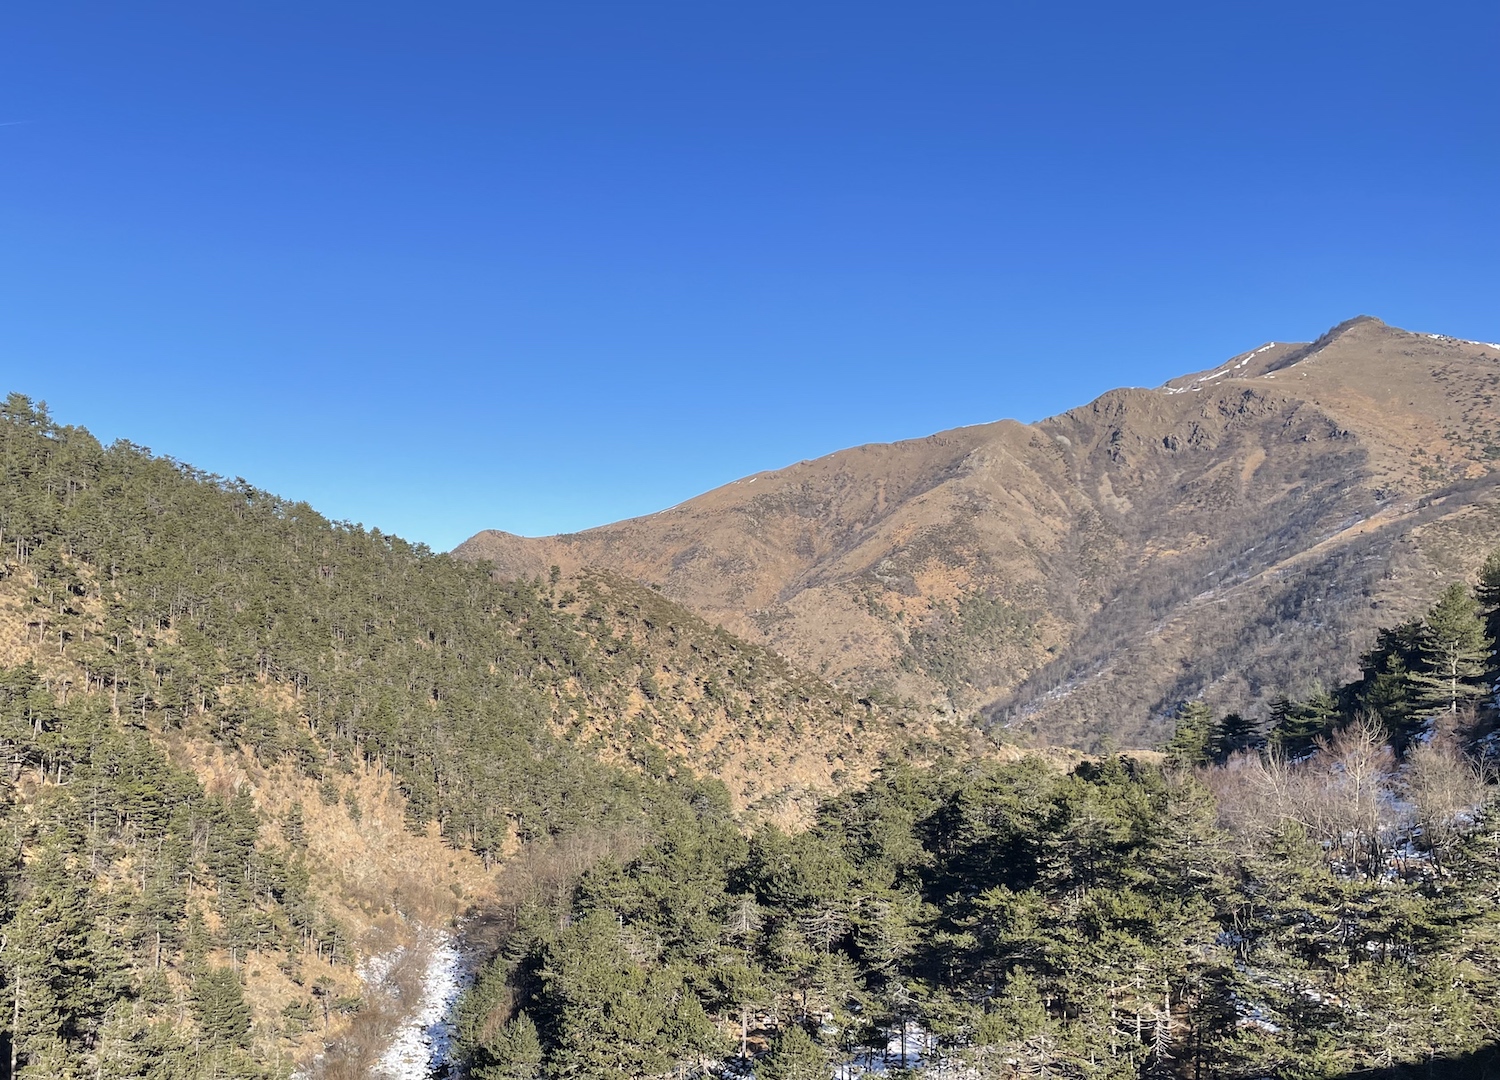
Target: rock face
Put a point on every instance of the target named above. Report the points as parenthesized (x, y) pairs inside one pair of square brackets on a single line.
[(1231, 534)]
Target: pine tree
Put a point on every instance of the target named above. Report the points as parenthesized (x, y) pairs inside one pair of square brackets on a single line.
[(219, 1007), (1297, 725), (1192, 741), (1388, 686), (46, 963), (1487, 591), (1455, 651), (514, 1053), (793, 1056), (1233, 734)]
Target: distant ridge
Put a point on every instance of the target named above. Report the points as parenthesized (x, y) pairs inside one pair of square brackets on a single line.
[(1235, 533)]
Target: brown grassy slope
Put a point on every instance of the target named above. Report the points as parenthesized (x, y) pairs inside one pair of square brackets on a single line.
[(379, 881), (1237, 533), (687, 693), (666, 689)]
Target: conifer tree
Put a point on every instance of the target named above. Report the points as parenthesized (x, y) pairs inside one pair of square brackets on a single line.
[(1192, 739), (793, 1056), (1234, 734), (1487, 593), (1388, 686), (514, 1053), (219, 1007), (1297, 725), (1455, 651)]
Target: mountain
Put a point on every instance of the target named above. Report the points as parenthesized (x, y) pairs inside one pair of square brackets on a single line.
[(273, 785), (256, 763), (1235, 534)]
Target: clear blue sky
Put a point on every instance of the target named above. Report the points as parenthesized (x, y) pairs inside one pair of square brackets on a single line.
[(441, 267)]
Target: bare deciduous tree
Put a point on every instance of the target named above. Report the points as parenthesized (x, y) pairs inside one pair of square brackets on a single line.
[(1442, 787)]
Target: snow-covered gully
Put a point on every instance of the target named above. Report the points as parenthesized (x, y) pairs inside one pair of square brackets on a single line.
[(404, 1031), (420, 1042)]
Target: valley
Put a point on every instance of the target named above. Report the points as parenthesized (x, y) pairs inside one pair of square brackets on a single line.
[(1155, 739)]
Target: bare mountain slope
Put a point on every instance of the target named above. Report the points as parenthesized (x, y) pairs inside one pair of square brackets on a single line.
[(1236, 533)]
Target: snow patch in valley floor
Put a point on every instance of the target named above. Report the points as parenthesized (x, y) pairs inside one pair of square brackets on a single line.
[(422, 1040)]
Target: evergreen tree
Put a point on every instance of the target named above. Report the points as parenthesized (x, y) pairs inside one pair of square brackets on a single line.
[(514, 1053), (1388, 687), (47, 964), (1487, 593), (1233, 734), (1296, 726), (1455, 651), (219, 1007), (1192, 739), (793, 1056)]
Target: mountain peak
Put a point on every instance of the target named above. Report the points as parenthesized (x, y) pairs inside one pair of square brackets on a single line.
[(1265, 360), (1081, 574), (1358, 320)]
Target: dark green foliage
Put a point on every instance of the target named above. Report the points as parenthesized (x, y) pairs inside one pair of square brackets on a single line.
[(85, 971), (1487, 593), (793, 1056), (177, 602), (513, 1053), (1085, 924), (1096, 923), (1387, 687), (393, 654), (1416, 670), (1234, 734), (1297, 725), (1455, 651), (1193, 736), (219, 1007)]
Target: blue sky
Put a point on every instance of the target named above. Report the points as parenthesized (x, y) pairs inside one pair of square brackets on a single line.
[(442, 267)]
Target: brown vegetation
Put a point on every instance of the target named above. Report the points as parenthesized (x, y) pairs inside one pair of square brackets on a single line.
[(690, 693), (1350, 797), (1232, 535)]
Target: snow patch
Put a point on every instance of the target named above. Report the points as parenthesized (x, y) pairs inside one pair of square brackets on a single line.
[(422, 1041), (1229, 367), (906, 1049)]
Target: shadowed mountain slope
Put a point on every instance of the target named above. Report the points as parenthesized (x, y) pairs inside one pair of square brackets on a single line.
[(1236, 533)]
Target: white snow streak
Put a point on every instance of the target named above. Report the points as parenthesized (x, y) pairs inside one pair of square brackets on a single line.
[(1227, 368), (423, 1039)]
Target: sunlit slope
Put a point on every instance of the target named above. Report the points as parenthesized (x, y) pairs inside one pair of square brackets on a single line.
[(248, 747), (1233, 533)]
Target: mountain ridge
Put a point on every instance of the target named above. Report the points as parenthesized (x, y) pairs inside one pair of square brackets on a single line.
[(970, 570)]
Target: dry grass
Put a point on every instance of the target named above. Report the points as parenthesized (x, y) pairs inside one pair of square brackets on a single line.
[(1122, 503), (360, 1041), (381, 882)]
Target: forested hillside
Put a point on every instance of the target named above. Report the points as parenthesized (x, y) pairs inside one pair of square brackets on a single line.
[(1314, 897), (198, 670), (246, 747), (1014, 920)]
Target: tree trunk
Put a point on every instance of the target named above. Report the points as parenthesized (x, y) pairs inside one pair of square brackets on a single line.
[(15, 1023)]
